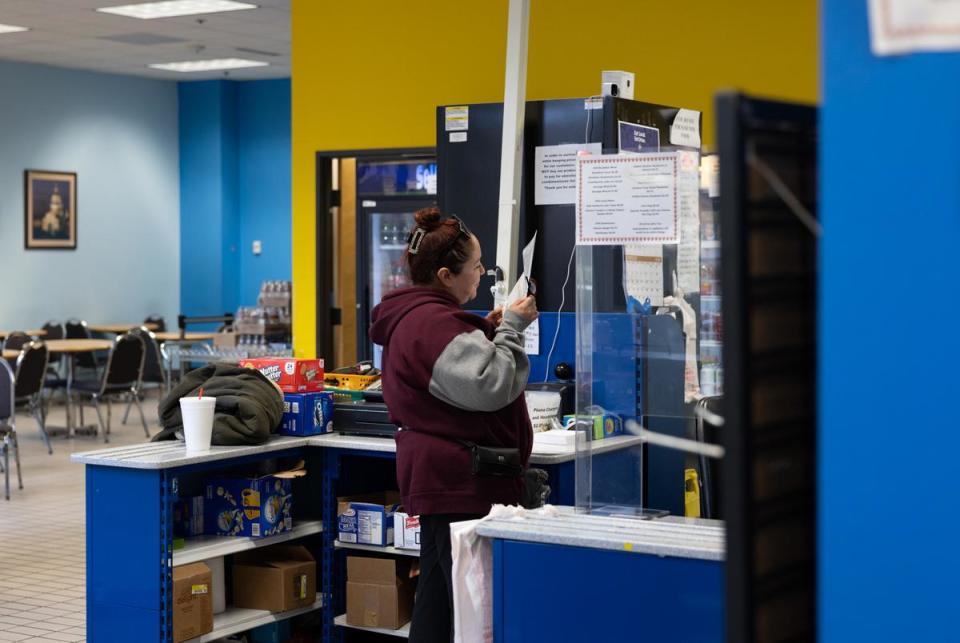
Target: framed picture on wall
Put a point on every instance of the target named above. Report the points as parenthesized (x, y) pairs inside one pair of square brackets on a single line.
[(50, 210)]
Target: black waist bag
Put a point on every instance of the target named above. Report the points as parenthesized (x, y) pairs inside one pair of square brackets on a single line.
[(493, 461)]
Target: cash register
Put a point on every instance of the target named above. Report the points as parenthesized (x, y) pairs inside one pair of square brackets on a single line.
[(369, 417)]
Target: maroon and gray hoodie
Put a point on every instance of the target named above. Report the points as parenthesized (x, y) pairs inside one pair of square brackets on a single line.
[(451, 375)]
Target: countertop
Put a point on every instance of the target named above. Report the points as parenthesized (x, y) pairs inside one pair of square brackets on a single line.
[(171, 454), (668, 536)]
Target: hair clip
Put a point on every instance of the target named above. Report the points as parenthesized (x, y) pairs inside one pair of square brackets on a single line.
[(415, 239)]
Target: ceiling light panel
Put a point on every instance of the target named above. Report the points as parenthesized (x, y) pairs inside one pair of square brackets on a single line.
[(208, 65), (173, 8), (12, 29)]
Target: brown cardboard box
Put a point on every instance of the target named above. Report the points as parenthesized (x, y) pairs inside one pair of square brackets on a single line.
[(379, 592), (192, 601), (278, 578), (226, 339)]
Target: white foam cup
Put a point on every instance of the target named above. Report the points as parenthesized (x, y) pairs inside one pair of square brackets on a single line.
[(197, 415)]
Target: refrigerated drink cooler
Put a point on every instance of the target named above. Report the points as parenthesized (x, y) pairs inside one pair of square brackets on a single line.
[(389, 193)]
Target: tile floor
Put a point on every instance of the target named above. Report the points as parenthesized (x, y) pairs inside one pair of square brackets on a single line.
[(42, 531)]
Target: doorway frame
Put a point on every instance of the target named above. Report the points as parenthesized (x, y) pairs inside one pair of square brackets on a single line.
[(327, 314)]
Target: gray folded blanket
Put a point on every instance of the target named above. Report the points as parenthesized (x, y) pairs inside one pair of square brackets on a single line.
[(249, 406)]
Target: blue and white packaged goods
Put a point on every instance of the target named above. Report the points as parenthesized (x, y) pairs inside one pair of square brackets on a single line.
[(367, 519), (254, 506), (307, 414)]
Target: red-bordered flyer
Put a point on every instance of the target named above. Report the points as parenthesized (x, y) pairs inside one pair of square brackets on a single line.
[(627, 199)]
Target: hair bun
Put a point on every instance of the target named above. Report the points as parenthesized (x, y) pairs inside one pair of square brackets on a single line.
[(428, 218)]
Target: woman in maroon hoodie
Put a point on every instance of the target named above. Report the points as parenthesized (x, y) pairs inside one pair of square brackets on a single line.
[(449, 376)]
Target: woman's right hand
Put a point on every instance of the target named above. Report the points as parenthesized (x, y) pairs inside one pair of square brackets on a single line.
[(526, 308)]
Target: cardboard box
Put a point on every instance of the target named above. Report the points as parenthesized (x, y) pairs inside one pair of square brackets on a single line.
[(291, 375), (226, 339), (406, 531), (307, 414), (367, 519), (249, 506), (192, 601), (278, 578), (379, 592), (606, 425)]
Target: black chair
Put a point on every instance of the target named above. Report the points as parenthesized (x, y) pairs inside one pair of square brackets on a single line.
[(16, 340), (121, 379), (159, 321), (54, 330), (153, 371), (77, 329), (30, 378), (8, 429)]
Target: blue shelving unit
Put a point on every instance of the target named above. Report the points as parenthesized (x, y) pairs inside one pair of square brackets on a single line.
[(130, 556), (130, 495)]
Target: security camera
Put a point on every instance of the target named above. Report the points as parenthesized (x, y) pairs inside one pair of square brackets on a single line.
[(617, 83)]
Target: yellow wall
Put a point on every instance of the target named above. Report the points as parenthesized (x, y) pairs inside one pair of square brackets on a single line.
[(369, 74)]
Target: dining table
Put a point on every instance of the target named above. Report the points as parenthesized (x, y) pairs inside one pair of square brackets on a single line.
[(120, 328), (174, 336)]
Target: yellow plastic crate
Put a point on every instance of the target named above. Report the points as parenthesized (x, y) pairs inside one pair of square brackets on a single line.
[(349, 381)]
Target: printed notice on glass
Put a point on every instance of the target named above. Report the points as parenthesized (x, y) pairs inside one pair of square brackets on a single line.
[(688, 199), (627, 199), (556, 172), (906, 26), (531, 338)]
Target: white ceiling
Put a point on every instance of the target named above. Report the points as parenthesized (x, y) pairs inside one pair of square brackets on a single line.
[(69, 33)]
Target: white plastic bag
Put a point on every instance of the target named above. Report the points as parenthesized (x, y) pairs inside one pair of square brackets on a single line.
[(473, 575)]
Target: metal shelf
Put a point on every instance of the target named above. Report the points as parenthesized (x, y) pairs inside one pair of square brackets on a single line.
[(379, 550), (238, 619), (206, 547), (403, 632)]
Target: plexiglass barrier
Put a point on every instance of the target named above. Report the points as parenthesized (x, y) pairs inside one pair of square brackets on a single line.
[(649, 364)]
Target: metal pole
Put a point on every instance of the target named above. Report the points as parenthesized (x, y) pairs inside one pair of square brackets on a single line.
[(511, 150)]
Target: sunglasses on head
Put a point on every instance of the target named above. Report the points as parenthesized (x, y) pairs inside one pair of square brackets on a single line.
[(463, 232)]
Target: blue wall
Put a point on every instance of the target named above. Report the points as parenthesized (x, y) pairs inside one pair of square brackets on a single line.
[(235, 181), (890, 203), (264, 183), (119, 134)]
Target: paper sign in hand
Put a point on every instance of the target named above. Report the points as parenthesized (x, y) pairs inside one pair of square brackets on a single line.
[(520, 288)]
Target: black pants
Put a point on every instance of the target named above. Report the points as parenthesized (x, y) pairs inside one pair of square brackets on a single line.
[(433, 607)]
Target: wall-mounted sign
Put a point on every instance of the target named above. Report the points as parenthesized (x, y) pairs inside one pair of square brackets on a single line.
[(906, 26)]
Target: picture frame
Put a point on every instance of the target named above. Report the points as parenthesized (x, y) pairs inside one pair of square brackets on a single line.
[(50, 210)]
